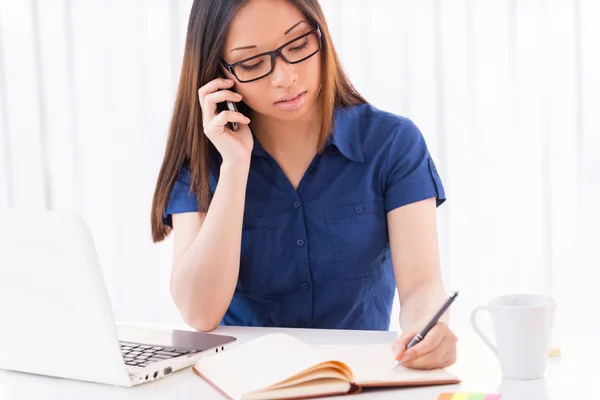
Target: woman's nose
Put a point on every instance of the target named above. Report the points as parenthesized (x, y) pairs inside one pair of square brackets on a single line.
[(284, 74)]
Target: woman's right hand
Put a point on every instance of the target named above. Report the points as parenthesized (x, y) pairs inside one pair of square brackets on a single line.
[(234, 147)]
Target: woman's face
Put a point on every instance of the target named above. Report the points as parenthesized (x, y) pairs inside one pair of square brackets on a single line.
[(265, 25)]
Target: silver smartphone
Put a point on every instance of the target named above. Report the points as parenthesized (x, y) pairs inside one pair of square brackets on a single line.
[(234, 126), (228, 105)]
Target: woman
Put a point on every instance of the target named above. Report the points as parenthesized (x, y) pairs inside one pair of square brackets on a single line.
[(294, 219)]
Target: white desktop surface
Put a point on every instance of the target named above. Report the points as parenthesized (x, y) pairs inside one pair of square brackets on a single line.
[(571, 376)]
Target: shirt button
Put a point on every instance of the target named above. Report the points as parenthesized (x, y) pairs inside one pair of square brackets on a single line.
[(300, 242), (306, 285), (433, 166), (296, 204), (358, 209)]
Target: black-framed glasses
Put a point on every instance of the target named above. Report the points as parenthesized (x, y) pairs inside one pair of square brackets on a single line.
[(293, 52)]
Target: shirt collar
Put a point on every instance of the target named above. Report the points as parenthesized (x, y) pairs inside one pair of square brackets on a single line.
[(258, 150), (345, 136)]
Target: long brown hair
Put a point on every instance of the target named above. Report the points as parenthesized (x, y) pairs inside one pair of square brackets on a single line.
[(186, 144)]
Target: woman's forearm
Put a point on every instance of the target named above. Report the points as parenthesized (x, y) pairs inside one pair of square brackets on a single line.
[(418, 306), (204, 281)]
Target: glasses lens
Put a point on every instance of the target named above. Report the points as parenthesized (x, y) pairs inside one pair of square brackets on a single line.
[(301, 48), (254, 68)]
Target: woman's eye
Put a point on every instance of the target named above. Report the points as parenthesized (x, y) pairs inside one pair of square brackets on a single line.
[(301, 47), (250, 67)]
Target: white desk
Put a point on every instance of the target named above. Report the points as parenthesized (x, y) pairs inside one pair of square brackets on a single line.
[(570, 377)]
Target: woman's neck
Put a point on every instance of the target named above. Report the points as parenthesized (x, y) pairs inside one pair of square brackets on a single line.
[(280, 137)]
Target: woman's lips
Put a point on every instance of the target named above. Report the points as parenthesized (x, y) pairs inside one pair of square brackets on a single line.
[(292, 104)]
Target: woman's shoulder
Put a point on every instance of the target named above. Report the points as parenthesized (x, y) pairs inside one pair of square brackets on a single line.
[(379, 127), (372, 113), (185, 172), (184, 175)]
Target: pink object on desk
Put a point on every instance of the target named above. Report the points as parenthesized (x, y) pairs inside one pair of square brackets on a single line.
[(469, 396)]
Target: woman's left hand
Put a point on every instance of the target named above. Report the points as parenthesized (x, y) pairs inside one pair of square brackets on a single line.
[(436, 350)]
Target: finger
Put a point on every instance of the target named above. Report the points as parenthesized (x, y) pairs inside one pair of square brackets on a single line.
[(209, 108), (221, 96), (441, 357), (399, 346), (213, 86), (231, 116), (217, 125), (428, 361), (432, 340)]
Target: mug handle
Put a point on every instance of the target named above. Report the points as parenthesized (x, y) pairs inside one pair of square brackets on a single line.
[(479, 332)]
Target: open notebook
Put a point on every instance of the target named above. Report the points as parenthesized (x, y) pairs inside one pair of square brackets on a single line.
[(279, 366)]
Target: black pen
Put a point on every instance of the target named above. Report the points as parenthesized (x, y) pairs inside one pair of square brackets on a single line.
[(421, 335)]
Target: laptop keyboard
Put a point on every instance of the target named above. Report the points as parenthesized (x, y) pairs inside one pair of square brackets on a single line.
[(141, 355)]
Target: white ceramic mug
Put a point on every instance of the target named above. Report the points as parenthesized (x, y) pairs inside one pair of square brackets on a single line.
[(534, 389), (522, 327)]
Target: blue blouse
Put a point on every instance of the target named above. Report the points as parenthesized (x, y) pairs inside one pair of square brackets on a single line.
[(319, 256)]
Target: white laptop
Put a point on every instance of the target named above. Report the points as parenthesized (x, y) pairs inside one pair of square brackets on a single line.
[(55, 314)]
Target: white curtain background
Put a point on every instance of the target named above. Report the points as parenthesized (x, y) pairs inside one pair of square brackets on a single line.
[(506, 92)]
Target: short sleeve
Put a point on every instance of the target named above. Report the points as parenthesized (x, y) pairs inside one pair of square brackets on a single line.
[(411, 172), (180, 198)]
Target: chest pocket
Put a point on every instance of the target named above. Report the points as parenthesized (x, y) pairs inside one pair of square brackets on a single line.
[(359, 234), (255, 256)]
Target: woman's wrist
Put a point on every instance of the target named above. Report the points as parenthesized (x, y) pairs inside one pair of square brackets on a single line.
[(235, 167), (420, 306)]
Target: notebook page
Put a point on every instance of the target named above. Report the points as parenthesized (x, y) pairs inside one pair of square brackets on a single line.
[(258, 364), (319, 388), (372, 365), (321, 373)]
